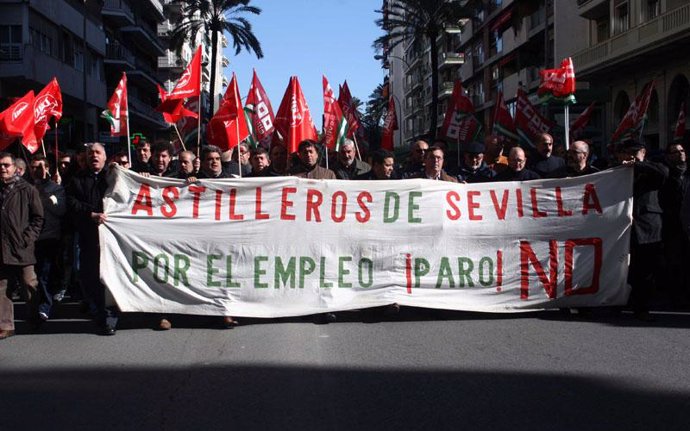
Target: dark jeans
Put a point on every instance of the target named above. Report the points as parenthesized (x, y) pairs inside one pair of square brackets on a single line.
[(45, 262), (89, 273), (644, 262)]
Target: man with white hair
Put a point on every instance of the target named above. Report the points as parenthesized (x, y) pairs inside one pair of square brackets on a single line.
[(85, 203), (578, 160), (347, 166)]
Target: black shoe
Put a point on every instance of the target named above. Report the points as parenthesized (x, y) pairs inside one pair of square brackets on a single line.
[(108, 330)]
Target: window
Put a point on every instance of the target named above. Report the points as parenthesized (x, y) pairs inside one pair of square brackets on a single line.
[(602, 25), (652, 8), (496, 43), (41, 42), (478, 54), (621, 18), (10, 42), (79, 59)]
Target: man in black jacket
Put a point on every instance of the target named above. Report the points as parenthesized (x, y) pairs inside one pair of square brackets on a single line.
[(645, 241), (54, 205), (85, 203), (21, 219)]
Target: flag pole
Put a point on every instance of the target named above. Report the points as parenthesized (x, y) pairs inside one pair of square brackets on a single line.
[(129, 143), (43, 147), (359, 156), (458, 151), (198, 126), (566, 112), (179, 137), (57, 153), (239, 153)]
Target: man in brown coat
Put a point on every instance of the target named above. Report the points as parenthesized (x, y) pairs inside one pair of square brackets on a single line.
[(308, 167), (21, 220), (433, 166)]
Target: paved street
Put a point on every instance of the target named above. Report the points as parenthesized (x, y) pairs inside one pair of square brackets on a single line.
[(423, 369)]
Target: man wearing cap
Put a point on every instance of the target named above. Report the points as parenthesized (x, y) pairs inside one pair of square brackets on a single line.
[(645, 240), (473, 169)]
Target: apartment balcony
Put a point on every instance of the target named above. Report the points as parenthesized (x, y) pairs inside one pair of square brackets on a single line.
[(591, 9), (674, 24), (224, 41), (144, 37), (165, 28), (451, 59), (146, 113), (225, 61), (154, 8), (170, 61), (144, 75), (118, 12), (120, 55)]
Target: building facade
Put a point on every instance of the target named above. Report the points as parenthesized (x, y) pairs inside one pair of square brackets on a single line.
[(627, 44), (87, 45), (617, 47)]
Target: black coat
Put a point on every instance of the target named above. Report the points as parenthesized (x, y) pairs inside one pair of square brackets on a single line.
[(85, 196), (21, 220), (54, 204), (649, 178)]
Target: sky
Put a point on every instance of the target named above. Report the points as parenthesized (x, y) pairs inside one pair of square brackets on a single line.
[(311, 38)]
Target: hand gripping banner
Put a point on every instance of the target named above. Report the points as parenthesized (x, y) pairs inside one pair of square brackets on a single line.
[(283, 246)]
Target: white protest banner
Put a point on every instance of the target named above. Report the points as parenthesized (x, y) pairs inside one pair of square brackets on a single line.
[(283, 246)]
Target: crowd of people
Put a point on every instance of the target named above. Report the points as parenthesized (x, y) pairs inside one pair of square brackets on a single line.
[(51, 209)]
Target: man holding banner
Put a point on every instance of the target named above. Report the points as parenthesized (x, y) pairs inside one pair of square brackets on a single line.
[(85, 195)]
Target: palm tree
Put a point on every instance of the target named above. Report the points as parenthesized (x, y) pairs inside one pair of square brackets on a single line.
[(423, 20), (211, 18)]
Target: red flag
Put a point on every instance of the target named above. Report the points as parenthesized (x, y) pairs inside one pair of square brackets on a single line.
[(503, 123), (558, 83), (177, 108), (459, 109), (350, 112), (189, 84), (529, 123), (390, 125), (259, 110), (579, 125), (633, 120), (679, 132), (228, 127), (18, 120), (116, 112), (293, 121), (6, 138), (47, 104), (334, 122)]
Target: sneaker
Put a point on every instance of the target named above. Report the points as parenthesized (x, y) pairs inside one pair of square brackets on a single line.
[(43, 316), (58, 297)]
